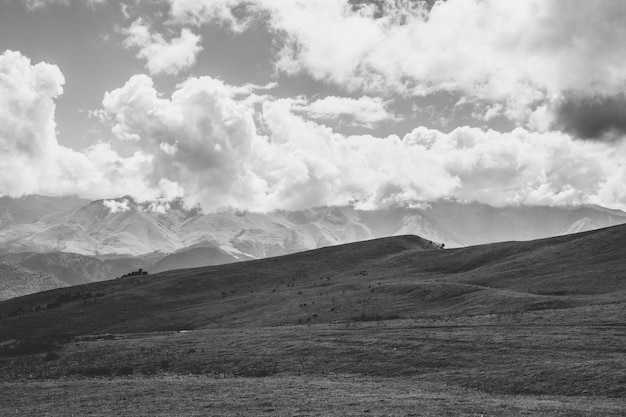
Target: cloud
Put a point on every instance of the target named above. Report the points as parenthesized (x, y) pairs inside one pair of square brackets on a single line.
[(115, 206), (595, 117), (32, 160), (200, 138), (163, 57), (206, 143), (364, 111), (27, 127), (39, 4), (198, 12), (519, 167), (519, 54)]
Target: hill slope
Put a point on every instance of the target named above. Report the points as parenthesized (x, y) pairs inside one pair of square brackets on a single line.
[(399, 276)]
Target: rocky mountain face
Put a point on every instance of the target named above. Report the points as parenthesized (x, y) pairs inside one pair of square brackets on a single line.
[(75, 241)]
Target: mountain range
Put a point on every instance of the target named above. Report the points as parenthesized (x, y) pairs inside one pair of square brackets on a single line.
[(59, 241)]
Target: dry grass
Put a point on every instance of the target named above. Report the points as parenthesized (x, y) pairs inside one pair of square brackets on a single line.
[(532, 328), (280, 396), (493, 358)]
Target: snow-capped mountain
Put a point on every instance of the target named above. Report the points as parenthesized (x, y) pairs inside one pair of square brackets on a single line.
[(124, 227)]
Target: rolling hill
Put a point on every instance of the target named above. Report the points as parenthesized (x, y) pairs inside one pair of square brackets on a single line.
[(403, 276)]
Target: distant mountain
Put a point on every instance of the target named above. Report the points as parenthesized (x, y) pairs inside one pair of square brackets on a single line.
[(76, 241), (194, 257), (33, 207), (473, 224), (123, 227)]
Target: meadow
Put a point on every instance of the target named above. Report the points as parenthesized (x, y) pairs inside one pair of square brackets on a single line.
[(382, 328), (489, 366)]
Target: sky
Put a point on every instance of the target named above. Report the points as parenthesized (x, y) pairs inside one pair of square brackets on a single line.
[(288, 104)]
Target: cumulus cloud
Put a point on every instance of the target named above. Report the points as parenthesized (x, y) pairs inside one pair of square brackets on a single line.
[(205, 145), (229, 13), (162, 56), (518, 54), (468, 164), (38, 4), (591, 117), (116, 206), (364, 111), (205, 142), (32, 160), (27, 127), (200, 139)]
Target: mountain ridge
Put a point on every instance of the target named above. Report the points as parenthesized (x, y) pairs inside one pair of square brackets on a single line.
[(123, 227)]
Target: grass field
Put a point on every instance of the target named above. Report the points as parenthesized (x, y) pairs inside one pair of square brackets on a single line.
[(375, 328), (398, 367), (281, 396)]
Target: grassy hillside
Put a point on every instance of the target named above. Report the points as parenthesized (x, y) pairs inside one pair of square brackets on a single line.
[(392, 277), (385, 327)]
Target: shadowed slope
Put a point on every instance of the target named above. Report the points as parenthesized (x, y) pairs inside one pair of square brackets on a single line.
[(391, 277)]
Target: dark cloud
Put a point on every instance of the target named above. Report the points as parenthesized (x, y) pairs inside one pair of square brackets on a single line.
[(597, 118)]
